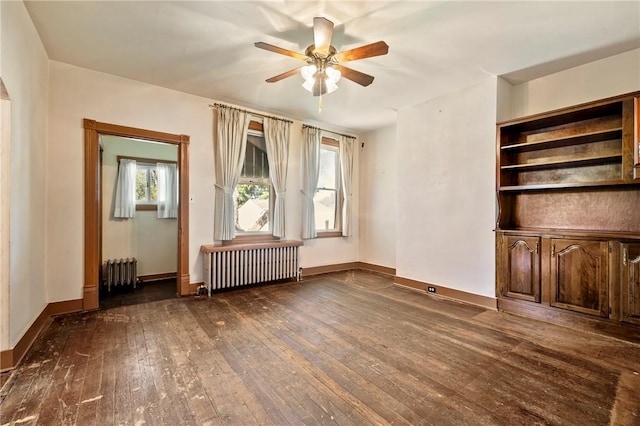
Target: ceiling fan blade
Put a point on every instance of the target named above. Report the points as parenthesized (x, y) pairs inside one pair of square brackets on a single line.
[(355, 76), (280, 50), (322, 33), (284, 75), (370, 50)]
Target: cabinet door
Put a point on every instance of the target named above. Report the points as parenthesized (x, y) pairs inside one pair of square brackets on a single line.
[(631, 283), (579, 279), (521, 268)]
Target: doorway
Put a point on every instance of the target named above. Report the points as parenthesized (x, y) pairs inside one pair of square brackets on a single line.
[(93, 204), (139, 241)]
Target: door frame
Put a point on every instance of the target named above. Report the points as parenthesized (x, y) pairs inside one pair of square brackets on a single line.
[(93, 202)]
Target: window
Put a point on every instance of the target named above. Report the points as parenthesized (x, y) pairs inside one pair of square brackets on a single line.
[(252, 197), (146, 184), (328, 198)]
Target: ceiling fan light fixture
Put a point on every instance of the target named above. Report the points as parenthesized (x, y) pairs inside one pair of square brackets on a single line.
[(320, 82), (307, 72)]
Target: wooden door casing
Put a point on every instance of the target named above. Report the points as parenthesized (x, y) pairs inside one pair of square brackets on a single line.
[(631, 283), (579, 276), (521, 268)]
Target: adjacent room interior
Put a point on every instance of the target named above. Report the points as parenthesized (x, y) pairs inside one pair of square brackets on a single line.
[(311, 212)]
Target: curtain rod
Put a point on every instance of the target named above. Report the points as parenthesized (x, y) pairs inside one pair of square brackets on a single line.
[(217, 105), (329, 131)]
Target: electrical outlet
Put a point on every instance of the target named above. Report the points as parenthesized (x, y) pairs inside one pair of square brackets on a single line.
[(431, 289)]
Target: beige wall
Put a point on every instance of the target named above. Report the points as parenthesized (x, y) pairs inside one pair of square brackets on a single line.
[(77, 93), (24, 70), (445, 173), (152, 241), (378, 174), (607, 77)]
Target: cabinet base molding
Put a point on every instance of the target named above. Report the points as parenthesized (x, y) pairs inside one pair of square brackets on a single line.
[(449, 293), (626, 332)]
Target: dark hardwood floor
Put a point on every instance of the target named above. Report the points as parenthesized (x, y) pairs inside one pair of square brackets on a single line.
[(151, 291), (346, 348)]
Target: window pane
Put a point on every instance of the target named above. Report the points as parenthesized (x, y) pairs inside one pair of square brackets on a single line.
[(255, 164), (141, 184), (252, 207), (328, 168), (325, 209), (153, 183)]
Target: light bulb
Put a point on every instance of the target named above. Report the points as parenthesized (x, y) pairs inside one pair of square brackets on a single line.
[(308, 71), (333, 74), (308, 84)]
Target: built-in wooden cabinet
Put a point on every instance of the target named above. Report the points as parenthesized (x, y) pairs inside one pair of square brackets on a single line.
[(568, 223), (631, 283), (579, 276), (520, 267)]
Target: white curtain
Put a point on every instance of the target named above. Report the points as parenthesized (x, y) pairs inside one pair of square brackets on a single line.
[(310, 169), (125, 202), (346, 165), (167, 191), (229, 151), (276, 133)]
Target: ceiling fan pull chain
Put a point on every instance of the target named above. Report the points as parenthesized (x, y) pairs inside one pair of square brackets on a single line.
[(320, 104)]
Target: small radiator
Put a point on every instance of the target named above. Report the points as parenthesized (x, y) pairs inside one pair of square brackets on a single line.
[(120, 272), (244, 264)]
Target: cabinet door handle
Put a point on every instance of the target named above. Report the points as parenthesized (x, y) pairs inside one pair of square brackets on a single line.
[(625, 256), (537, 244), (553, 250)]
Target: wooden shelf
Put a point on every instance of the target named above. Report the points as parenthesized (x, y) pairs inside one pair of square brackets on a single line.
[(583, 138), (565, 185), (578, 162), (573, 233)]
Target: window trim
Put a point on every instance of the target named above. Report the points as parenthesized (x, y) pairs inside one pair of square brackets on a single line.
[(337, 231), (257, 129)]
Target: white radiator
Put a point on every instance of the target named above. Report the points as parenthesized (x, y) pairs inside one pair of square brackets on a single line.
[(120, 272), (244, 264)]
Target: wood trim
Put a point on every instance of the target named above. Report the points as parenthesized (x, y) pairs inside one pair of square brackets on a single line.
[(571, 319), (636, 133), (377, 268), (133, 132), (144, 160), (328, 234), (317, 270), (146, 207), (331, 142), (209, 248), (251, 239), (154, 277), (449, 293), (256, 126), (11, 358), (570, 109), (92, 200)]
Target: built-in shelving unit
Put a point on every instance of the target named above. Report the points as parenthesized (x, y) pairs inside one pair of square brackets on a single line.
[(568, 226)]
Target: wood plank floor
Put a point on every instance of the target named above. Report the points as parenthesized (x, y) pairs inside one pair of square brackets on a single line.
[(346, 348)]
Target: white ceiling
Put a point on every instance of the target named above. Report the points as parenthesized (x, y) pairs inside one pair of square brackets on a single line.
[(436, 47)]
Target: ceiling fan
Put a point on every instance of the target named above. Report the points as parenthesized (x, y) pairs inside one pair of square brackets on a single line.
[(323, 69)]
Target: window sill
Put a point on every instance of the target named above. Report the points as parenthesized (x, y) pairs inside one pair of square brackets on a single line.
[(146, 207), (248, 239), (329, 234)]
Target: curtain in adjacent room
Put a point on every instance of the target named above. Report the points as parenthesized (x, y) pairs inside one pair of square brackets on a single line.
[(310, 169), (346, 165), (125, 202), (229, 151), (167, 191), (276, 133)]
